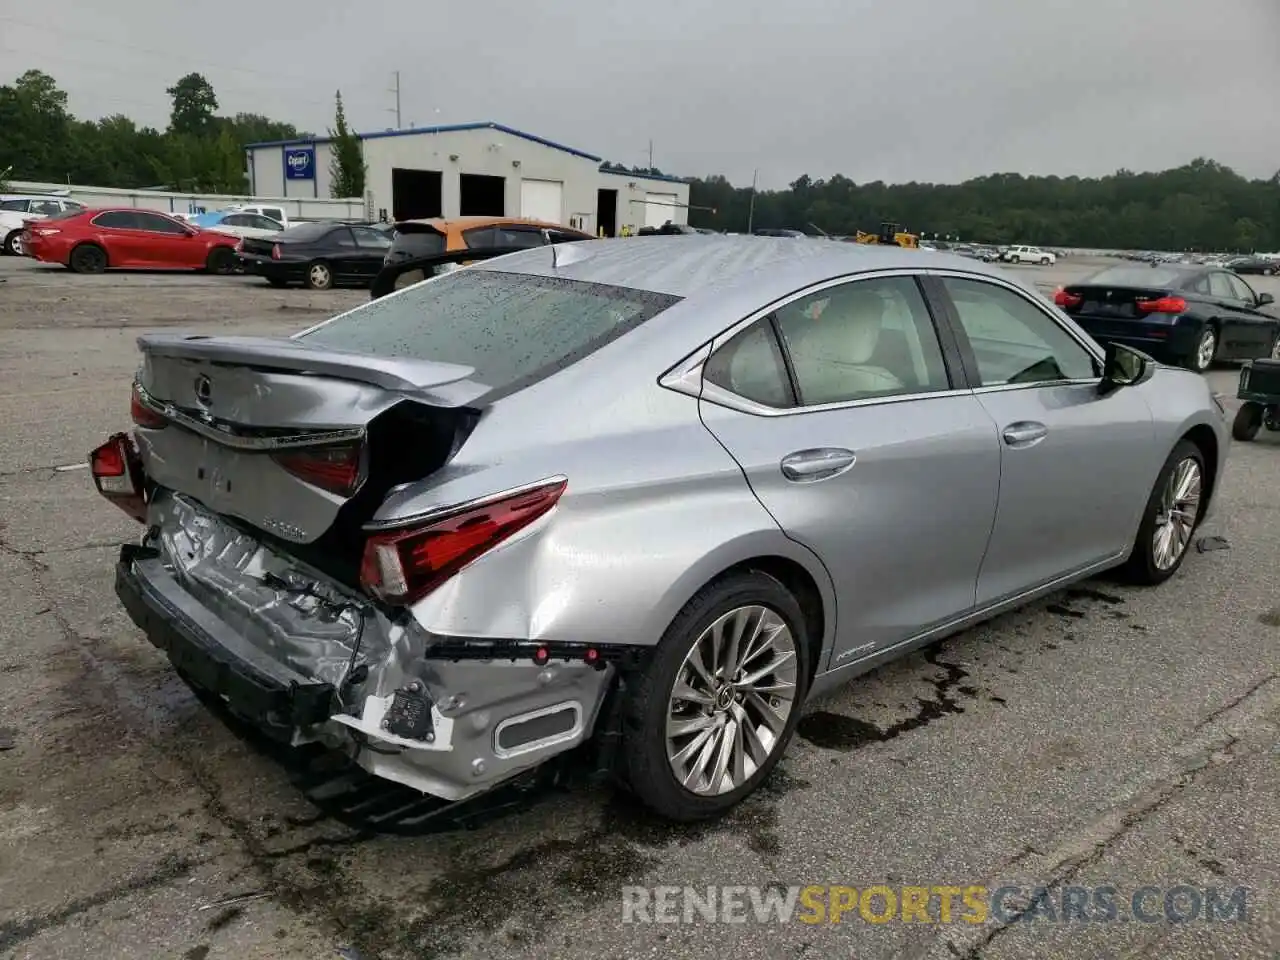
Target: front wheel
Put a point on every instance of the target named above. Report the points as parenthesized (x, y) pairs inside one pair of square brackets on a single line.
[(319, 276), (711, 713), (1044, 261), (1248, 421), (1173, 512), (1206, 349)]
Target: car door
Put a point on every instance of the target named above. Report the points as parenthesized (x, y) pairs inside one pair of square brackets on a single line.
[(839, 406), (343, 254), (164, 242), (1074, 464), (1233, 328), (120, 233), (1257, 329), (371, 247)]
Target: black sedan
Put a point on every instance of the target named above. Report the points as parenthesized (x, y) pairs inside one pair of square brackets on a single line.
[(1268, 268), (1180, 313), (318, 255)]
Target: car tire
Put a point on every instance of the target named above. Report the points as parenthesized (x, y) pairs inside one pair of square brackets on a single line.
[(319, 275), (1148, 565), (1248, 421), (1015, 259), (13, 243), (88, 258), (649, 700), (1268, 271), (1044, 261), (1205, 351), (221, 261)]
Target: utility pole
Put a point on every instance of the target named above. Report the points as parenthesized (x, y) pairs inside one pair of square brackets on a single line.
[(651, 155), (751, 211), (396, 91)]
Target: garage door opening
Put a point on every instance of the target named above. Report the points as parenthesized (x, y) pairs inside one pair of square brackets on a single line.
[(607, 211), (481, 196), (416, 194), (542, 200)]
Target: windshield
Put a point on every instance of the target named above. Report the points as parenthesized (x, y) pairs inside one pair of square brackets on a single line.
[(306, 232), (1136, 277), (509, 327)]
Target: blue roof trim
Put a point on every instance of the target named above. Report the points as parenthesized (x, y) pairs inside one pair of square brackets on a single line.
[(645, 176), (448, 128)]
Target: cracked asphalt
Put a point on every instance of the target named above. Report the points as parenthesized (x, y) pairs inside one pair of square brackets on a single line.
[(1102, 737)]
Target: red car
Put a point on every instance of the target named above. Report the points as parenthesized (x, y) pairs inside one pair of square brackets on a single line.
[(91, 241)]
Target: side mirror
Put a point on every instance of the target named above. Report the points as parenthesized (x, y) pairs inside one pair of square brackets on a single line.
[(1265, 298), (1124, 367)]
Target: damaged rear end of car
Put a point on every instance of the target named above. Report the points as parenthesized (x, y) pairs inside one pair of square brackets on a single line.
[(275, 578)]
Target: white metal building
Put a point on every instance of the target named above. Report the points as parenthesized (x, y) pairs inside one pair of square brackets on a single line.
[(475, 169)]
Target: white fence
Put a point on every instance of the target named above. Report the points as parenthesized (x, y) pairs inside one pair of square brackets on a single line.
[(298, 208)]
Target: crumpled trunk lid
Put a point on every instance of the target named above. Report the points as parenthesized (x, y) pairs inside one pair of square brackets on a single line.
[(261, 429)]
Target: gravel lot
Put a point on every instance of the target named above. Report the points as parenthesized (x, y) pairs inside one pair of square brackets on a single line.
[(1105, 736)]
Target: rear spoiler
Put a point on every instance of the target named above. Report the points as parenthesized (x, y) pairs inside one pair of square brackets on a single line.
[(433, 266)]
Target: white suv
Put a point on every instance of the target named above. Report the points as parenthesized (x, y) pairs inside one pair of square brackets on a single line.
[(1029, 255), (14, 209)]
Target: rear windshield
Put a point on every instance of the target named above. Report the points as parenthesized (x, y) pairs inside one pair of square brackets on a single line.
[(306, 232), (1136, 277), (512, 328), (413, 240)]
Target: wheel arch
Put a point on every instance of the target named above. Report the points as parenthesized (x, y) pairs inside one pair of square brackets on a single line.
[(1206, 441)]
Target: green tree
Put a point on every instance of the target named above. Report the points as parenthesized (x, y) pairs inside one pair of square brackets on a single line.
[(194, 104), (347, 169)]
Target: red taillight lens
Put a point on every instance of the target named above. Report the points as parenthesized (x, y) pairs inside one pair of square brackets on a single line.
[(1163, 305), (240, 245), (142, 414), (336, 469), (275, 251), (117, 473), (402, 566), (1064, 299)]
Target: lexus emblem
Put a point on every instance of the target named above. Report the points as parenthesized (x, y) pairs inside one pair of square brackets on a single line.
[(204, 390)]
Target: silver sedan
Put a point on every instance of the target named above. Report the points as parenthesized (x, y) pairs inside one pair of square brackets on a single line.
[(668, 488)]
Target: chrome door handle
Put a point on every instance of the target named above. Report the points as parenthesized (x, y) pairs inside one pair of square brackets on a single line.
[(1024, 433), (807, 466)]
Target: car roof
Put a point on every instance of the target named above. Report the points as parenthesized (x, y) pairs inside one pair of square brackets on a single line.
[(688, 264)]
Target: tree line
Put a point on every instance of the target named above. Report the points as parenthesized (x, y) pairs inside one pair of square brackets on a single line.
[(1200, 206), (198, 152)]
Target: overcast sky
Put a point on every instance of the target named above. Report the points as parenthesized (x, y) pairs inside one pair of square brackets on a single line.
[(896, 90)]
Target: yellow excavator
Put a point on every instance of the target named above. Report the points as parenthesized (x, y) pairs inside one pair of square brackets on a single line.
[(890, 235)]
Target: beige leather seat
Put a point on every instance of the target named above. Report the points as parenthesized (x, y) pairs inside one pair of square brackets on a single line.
[(831, 354)]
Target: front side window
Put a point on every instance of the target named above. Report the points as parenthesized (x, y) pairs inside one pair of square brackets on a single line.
[(157, 224), (508, 327), (15, 206), (1013, 340), (862, 340), (368, 237), (45, 207)]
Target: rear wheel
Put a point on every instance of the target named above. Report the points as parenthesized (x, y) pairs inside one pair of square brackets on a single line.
[(710, 715), (1248, 421), (319, 276), (1173, 512), (13, 243), (222, 261), (88, 258), (1206, 348)]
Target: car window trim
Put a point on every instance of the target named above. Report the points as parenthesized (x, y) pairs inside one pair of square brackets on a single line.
[(948, 307), (685, 376)]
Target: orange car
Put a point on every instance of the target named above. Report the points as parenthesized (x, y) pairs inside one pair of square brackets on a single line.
[(425, 238)]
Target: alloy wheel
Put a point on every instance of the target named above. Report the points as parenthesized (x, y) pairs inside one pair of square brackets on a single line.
[(1178, 512), (1205, 351), (16, 245), (731, 700), (319, 275)]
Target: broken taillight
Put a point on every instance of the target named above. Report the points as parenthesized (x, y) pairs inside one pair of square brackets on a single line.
[(402, 566), (336, 468), (143, 415), (117, 473), (275, 251)]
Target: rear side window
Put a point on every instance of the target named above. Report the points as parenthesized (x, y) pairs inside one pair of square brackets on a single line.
[(119, 219), (511, 328)]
